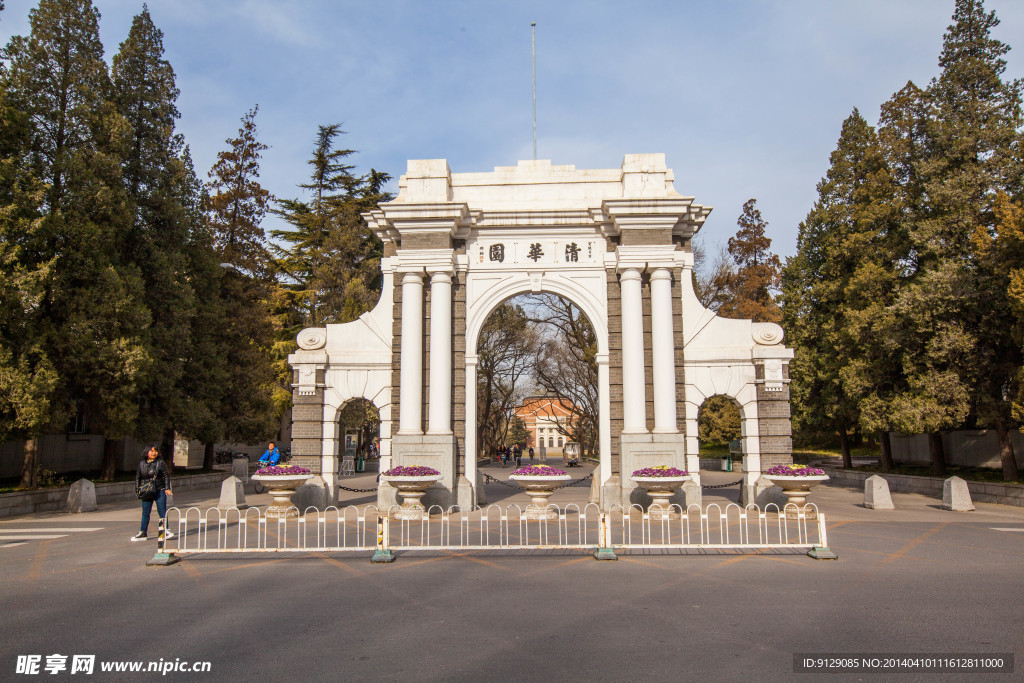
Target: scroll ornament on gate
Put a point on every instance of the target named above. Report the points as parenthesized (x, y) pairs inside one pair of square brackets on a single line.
[(312, 338), (766, 334)]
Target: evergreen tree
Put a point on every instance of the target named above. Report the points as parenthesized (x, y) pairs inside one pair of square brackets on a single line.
[(834, 284), (238, 203), (157, 241), (970, 151), (27, 377), (332, 259), (236, 209), (91, 300), (749, 290)]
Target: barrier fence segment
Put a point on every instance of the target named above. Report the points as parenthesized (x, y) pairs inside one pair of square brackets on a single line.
[(495, 528)]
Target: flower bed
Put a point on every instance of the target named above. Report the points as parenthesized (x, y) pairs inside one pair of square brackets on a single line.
[(411, 471), (539, 471), (794, 470), (660, 471), (275, 470)]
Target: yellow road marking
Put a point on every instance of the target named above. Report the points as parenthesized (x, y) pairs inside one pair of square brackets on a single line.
[(916, 542), (36, 567)]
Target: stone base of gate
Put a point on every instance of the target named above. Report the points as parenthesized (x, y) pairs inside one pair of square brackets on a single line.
[(649, 450), (429, 450), (754, 489)]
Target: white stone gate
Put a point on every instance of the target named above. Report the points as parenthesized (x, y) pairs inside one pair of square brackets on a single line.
[(617, 244)]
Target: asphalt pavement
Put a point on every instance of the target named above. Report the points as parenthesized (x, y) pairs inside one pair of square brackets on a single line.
[(909, 581)]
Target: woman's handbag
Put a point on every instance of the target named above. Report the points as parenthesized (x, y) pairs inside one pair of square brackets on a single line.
[(147, 490)]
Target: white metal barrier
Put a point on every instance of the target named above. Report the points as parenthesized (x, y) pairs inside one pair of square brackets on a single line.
[(352, 529)]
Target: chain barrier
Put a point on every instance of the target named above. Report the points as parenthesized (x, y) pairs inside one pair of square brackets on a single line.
[(721, 486), (345, 488), (574, 482)]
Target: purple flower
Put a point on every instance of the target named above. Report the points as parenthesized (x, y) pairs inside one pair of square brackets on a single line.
[(538, 471), (282, 469), (411, 471), (795, 471), (660, 471)]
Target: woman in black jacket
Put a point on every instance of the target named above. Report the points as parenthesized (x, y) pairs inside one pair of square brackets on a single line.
[(153, 468)]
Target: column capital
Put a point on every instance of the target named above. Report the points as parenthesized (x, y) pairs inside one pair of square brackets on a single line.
[(412, 276), (440, 276), (661, 273), (630, 272)]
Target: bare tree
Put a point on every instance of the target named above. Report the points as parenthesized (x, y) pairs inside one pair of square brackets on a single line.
[(506, 353), (566, 368)]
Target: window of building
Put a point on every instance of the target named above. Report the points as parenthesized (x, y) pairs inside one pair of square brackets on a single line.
[(559, 442)]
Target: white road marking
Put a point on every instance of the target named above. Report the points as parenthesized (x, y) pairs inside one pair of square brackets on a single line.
[(30, 537), (1003, 528), (49, 530), (12, 545)]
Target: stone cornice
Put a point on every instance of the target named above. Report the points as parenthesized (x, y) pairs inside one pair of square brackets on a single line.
[(428, 260)]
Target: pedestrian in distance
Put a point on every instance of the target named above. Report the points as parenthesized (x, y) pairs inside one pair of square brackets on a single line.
[(531, 453), (152, 485), (517, 453), (270, 457)]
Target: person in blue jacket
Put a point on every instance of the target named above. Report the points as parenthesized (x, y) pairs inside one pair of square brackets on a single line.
[(270, 456)]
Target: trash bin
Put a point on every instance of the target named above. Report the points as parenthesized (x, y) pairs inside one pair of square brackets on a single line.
[(727, 464), (360, 464)]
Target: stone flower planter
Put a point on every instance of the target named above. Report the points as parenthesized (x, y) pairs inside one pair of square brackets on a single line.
[(661, 490), (796, 488), (412, 489), (281, 488), (539, 485)]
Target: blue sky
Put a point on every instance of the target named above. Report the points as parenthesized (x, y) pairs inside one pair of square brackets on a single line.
[(745, 98)]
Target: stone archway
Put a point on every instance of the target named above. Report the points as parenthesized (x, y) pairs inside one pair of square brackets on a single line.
[(614, 241)]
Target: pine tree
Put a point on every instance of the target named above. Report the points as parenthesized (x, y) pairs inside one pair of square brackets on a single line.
[(238, 203), (750, 289), (27, 377), (834, 286), (946, 318), (91, 300), (332, 259), (156, 243), (236, 208)]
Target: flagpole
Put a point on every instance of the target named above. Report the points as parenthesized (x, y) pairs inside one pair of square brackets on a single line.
[(533, 32)]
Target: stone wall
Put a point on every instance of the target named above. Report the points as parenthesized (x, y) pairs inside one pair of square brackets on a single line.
[(967, 448), (55, 500)]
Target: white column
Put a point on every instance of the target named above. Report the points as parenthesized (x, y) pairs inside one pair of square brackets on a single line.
[(634, 409), (410, 411), (439, 404), (663, 353), (471, 445), (329, 453)]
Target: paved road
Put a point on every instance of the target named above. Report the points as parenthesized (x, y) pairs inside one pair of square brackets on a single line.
[(916, 579)]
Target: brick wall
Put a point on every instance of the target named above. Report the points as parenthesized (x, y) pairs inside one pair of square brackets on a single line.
[(615, 365)]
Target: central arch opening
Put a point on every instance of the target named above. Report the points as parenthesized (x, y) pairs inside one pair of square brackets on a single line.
[(538, 395)]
